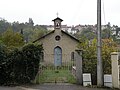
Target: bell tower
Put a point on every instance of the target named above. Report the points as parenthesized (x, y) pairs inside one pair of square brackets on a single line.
[(57, 23)]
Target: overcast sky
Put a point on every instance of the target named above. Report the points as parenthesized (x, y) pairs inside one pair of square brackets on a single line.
[(73, 12)]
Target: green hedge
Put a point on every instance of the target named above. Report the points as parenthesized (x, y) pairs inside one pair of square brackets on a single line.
[(21, 65), (3, 73)]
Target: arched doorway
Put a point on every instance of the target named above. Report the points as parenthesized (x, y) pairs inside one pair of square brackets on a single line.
[(57, 56)]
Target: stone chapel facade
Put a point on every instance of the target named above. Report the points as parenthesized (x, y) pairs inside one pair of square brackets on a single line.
[(58, 45)]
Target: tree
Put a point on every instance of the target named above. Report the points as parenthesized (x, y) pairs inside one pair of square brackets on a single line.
[(108, 46), (4, 25), (106, 33), (87, 33), (31, 23), (90, 56), (33, 34), (12, 39), (38, 32)]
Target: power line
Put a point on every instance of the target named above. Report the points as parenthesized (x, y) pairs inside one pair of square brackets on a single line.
[(78, 7), (104, 16)]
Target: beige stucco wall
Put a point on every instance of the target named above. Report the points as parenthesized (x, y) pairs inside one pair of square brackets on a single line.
[(115, 69), (66, 43)]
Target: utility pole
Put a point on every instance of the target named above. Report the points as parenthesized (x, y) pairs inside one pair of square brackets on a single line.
[(99, 46)]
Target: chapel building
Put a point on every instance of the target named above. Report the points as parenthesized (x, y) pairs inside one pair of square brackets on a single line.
[(59, 46)]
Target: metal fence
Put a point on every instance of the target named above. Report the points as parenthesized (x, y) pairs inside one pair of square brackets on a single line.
[(49, 73)]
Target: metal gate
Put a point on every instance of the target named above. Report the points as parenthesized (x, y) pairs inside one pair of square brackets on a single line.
[(59, 72)]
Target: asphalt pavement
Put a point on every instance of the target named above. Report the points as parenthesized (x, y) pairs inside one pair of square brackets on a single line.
[(51, 87)]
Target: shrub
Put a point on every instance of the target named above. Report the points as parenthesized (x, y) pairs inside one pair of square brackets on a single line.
[(21, 65), (3, 64)]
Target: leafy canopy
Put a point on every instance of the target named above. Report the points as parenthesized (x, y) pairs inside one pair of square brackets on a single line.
[(12, 39), (89, 48)]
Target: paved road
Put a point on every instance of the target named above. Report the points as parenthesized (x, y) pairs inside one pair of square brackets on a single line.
[(50, 87)]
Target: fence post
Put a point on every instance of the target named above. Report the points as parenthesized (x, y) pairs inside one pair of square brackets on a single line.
[(115, 69), (78, 58)]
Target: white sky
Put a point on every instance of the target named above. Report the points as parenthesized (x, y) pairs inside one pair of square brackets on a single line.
[(73, 12)]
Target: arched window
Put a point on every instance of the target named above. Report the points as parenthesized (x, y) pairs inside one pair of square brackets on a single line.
[(42, 57), (72, 56), (57, 24)]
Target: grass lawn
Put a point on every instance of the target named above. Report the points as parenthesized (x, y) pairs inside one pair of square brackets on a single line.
[(55, 76)]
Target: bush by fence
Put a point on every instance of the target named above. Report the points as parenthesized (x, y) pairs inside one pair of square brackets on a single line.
[(21, 65)]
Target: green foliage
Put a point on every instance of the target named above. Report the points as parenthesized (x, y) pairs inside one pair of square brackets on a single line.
[(108, 46), (87, 33), (3, 64), (90, 56), (106, 33), (27, 63), (4, 25), (38, 32), (21, 65), (12, 39), (31, 34)]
